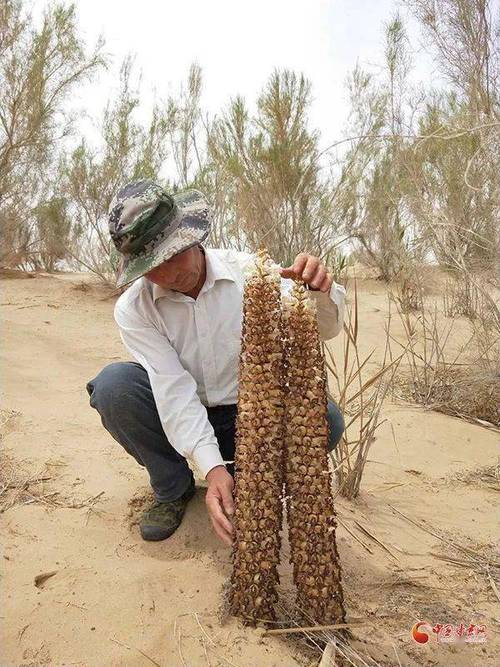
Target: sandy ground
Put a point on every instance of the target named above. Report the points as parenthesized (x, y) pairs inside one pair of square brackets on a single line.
[(113, 599)]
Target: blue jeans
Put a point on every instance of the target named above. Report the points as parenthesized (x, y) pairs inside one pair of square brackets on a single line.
[(122, 395)]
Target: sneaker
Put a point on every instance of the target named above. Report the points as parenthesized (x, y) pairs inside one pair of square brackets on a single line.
[(163, 519)]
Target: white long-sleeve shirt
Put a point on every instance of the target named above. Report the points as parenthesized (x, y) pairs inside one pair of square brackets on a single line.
[(190, 347)]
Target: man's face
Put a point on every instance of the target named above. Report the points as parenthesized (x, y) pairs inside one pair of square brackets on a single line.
[(180, 273)]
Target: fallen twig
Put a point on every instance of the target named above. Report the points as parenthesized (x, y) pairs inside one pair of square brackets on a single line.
[(375, 539), (493, 584), (343, 649), (179, 648), (22, 631), (206, 653), (35, 499), (355, 536), (388, 486), (91, 504), (454, 561), (312, 628), (397, 656), (203, 629), (455, 545), (134, 648)]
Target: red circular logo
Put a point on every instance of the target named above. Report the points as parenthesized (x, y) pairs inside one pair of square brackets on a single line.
[(420, 637)]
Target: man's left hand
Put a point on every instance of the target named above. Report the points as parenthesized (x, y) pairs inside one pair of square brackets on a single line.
[(309, 269)]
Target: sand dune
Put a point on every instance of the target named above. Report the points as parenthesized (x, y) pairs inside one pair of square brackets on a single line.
[(71, 498)]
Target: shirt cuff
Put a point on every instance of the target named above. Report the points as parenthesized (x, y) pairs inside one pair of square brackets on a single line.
[(330, 309), (336, 294), (207, 457)]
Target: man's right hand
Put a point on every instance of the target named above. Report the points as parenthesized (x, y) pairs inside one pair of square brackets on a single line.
[(219, 500)]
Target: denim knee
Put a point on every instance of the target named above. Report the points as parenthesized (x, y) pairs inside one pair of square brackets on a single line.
[(336, 425), (113, 384)]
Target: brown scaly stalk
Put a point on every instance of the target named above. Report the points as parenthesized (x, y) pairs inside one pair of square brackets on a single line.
[(258, 459), (310, 511)]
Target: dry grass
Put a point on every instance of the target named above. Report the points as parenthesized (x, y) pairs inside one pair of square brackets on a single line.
[(81, 286), (360, 397), (465, 392), (482, 559), (314, 638), (485, 476), (21, 485), (409, 290), (15, 273), (466, 385), (462, 298)]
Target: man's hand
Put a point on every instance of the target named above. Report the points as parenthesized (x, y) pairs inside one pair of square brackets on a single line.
[(309, 269), (219, 500)]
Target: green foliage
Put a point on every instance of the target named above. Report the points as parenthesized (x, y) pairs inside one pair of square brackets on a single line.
[(416, 176), (463, 36), (54, 227), (451, 191), (420, 180), (89, 177), (374, 170), (39, 68), (270, 161)]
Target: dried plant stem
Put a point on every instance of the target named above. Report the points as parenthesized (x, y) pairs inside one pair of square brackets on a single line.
[(134, 648), (310, 511), (259, 467), (470, 552), (312, 628), (360, 399)]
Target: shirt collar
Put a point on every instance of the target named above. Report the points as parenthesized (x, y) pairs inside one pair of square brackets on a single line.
[(217, 269)]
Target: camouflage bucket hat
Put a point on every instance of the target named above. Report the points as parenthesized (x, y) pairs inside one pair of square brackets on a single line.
[(148, 226)]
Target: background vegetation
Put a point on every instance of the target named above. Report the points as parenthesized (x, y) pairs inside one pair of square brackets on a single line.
[(412, 183), (414, 179)]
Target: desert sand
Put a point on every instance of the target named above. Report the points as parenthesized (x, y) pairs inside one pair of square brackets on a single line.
[(71, 498)]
